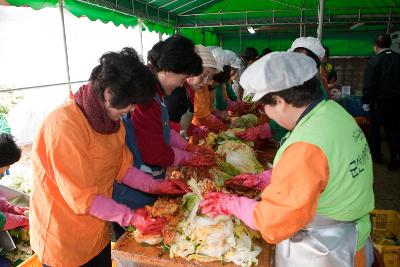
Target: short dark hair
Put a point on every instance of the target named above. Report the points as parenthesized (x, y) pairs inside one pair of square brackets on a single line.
[(309, 53), (383, 41), (9, 151), (266, 51), (223, 76), (128, 79), (250, 54), (298, 96), (326, 51), (176, 54)]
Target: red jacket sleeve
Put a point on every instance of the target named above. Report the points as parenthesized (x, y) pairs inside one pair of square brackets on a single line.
[(149, 133)]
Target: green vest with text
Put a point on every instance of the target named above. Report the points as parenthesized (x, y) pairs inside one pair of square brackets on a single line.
[(348, 195)]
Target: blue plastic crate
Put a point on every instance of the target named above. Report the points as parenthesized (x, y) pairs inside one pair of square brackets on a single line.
[(353, 105)]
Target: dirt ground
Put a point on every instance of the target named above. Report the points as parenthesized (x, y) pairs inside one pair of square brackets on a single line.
[(386, 185)]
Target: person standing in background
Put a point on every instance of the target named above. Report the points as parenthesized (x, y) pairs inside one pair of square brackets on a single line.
[(180, 102), (248, 57), (327, 72), (381, 97)]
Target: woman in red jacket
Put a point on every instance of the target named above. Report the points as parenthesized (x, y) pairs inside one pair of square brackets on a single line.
[(154, 145)]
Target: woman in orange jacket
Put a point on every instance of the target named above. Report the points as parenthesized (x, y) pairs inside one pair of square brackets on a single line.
[(77, 154)]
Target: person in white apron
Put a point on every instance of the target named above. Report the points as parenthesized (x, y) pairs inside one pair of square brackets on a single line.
[(316, 200)]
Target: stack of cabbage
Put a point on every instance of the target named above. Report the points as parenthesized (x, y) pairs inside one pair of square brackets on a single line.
[(245, 121), (206, 239), (240, 155)]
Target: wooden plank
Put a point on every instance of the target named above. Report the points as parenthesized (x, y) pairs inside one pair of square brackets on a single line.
[(127, 250)]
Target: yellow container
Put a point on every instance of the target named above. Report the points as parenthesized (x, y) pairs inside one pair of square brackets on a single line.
[(385, 228), (33, 261)]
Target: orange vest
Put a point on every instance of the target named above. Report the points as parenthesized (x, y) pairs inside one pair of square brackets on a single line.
[(202, 104), (71, 164)]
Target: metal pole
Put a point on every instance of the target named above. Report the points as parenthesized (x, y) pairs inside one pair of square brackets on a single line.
[(320, 18), (61, 6), (301, 23), (389, 22), (240, 40), (141, 38), (301, 30)]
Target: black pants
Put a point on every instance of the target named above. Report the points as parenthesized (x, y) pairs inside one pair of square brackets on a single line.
[(387, 114), (103, 259)]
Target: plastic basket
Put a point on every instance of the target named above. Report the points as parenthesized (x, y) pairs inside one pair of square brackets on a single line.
[(33, 261), (386, 229), (354, 106)]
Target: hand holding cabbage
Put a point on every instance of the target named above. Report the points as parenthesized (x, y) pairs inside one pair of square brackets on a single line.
[(217, 203), (251, 181)]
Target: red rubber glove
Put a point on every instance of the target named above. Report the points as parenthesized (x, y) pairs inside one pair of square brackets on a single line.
[(248, 180), (214, 124), (200, 160), (199, 132), (200, 149), (6, 206), (142, 221), (13, 221), (18, 210), (218, 203), (236, 106), (137, 179), (259, 132), (170, 187), (187, 158)]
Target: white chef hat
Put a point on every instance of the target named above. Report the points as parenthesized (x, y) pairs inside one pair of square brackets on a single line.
[(311, 43), (237, 63), (219, 57), (232, 59), (206, 56), (277, 71)]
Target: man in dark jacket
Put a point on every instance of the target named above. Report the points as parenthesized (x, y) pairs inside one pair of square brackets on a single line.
[(381, 96)]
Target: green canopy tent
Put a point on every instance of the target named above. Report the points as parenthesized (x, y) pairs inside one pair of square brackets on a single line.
[(348, 25)]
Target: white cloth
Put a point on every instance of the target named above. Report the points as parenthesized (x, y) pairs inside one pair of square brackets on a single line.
[(311, 43), (219, 57), (277, 71)]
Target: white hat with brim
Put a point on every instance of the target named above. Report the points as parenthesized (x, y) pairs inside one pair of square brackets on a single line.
[(311, 43), (206, 56), (277, 71)]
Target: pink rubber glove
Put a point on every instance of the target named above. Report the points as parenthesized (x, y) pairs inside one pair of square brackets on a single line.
[(251, 134), (13, 221), (139, 180), (177, 140), (218, 203), (187, 158), (6, 206), (109, 210), (248, 180)]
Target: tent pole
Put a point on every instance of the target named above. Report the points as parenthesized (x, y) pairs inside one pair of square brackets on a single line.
[(61, 6), (240, 41), (141, 39), (389, 21), (301, 30), (320, 18)]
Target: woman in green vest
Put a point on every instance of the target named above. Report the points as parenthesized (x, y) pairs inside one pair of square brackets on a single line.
[(11, 216), (316, 200)]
